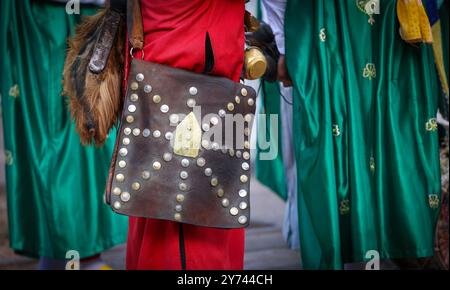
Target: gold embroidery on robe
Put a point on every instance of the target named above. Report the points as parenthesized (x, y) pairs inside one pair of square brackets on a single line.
[(344, 207), (370, 72), (9, 160), (431, 125), (336, 131), (433, 200), (323, 35), (372, 164), (14, 91), (369, 7)]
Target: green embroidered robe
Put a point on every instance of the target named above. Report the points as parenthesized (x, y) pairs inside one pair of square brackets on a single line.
[(365, 135), (55, 186)]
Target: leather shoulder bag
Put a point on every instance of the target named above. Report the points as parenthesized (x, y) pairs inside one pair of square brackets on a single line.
[(183, 149)]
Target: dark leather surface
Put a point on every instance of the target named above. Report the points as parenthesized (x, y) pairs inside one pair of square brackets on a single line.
[(108, 30), (156, 197)]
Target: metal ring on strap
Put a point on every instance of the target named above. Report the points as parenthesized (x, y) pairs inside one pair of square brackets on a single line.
[(131, 52)]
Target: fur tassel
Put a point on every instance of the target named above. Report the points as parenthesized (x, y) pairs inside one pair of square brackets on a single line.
[(95, 100)]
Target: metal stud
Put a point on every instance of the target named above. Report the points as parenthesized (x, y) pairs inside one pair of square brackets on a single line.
[(242, 193), (234, 211), (244, 92), (156, 133), (136, 132), (145, 174), (132, 108), (230, 106), (169, 135), (208, 171), (246, 155), (243, 205), (120, 177), (225, 202), (250, 102), (134, 97), (117, 205), (237, 100), (134, 86), (201, 162), (127, 131), (126, 141), (125, 196), (238, 154), (182, 186), (174, 119), (242, 219), (177, 216), (130, 119), (146, 133), (214, 181), (248, 118), (122, 164), (167, 156), (156, 165), (214, 120), (156, 99), (243, 178), (183, 174), (205, 127), (148, 88), (184, 162), (123, 152), (139, 77), (116, 191), (178, 208), (164, 108), (180, 197), (222, 113), (136, 185), (247, 131), (193, 91), (246, 144), (205, 144), (245, 166), (220, 192), (190, 103), (231, 152), (215, 146)]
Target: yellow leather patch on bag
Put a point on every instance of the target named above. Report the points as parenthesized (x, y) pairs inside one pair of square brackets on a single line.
[(188, 135)]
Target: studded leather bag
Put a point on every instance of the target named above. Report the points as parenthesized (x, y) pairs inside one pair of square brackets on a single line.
[(182, 150)]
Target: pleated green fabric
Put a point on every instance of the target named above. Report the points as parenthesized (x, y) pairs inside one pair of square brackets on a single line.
[(270, 171), (55, 186), (365, 137)]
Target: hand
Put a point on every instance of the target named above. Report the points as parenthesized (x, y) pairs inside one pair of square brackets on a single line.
[(283, 74)]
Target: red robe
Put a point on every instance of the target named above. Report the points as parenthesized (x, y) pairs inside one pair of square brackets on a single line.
[(175, 34)]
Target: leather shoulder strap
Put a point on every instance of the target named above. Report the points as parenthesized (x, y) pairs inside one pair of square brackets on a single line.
[(134, 24)]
